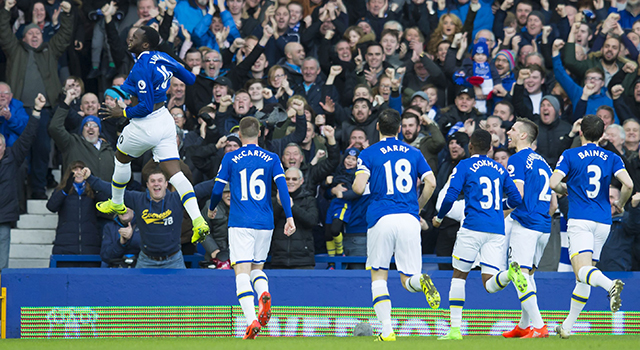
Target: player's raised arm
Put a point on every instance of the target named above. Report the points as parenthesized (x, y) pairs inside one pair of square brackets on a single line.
[(556, 183), (456, 180), (627, 188), (427, 190), (362, 175), (514, 195), (183, 74)]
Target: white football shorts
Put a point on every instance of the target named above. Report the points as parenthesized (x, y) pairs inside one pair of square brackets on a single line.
[(527, 246), (397, 234), (156, 131), (490, 246), (586, 236), (248, 245)]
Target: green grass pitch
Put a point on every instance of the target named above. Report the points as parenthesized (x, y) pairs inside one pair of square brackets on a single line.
[(582, 342)]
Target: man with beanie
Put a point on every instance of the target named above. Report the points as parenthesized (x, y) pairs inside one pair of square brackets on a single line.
[(86, 145), (505, 63), (533, 30), (552, 129)]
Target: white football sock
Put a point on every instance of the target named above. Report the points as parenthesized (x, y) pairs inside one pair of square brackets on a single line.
[(594, 277), (245, 296), (260, 282), (580, 296), (412, 284), (456, 300), (382, 305), (498, 282), (119, 181), (188, 197), (529, 302)]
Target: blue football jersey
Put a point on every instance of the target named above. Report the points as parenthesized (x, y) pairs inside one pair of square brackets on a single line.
[(588, 171), (483, 181), (529, 168), (249, 171), (149, 80), (393, 167)]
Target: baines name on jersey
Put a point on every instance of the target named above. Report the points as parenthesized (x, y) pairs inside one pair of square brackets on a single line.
[(592, 153), (254, 153), (395, 148), (485, 162)]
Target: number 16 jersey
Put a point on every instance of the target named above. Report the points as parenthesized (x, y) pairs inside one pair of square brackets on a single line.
[(393, 167), (588, 170), (250, 171)]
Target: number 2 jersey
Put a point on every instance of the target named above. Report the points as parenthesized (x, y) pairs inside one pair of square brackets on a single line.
[(529, 168), (588, 170), (393, 167), (482, 179), (149, 80), (249, 171)]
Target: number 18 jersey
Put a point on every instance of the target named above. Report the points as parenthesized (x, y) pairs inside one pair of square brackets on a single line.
[(588, 170), (250, 171), (393, 167)]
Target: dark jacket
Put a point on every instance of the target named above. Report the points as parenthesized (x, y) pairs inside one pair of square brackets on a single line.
[(297, 249), (112, 249), (77, 231), (369, 126), (160, 223), (314, 175), (10, 169), (318, 92), (450, 115), (199, 94), (74, 147), (550, 142), (46, 56)]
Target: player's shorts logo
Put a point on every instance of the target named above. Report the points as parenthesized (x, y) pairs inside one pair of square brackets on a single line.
[(121, 139), (142, 85)]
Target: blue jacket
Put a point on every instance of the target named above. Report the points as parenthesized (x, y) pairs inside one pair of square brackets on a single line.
[(112, 249), (626, 18), (160, 223), (574, 91), (188, 16), (12, 128), (202, 36)]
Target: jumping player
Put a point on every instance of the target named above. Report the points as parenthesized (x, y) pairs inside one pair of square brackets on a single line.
[(392, 169), (587, 173), (483, 181), (151, 126), (249, 172), (531, 221)]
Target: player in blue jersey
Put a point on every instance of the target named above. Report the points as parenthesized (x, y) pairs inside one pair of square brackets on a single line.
[(483, 182), (531, 221), (249, 172), (587, 172), (393, 169), (151, 126)]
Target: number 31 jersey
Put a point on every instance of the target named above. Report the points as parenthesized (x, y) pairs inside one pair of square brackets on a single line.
[(250, 171), (588, 170), (393, 167)]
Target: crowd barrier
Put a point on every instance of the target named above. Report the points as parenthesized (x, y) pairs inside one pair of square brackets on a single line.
[(85, 302)]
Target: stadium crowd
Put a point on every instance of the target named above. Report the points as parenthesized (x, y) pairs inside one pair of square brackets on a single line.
[(316, 73)]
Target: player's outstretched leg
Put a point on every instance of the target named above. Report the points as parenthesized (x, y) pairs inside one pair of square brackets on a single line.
[(245, 297), (423, 283), (595, 278), (578, 299), (456, 303), (121, 176), (261, 286), (497, 282), (188, 197), (382, 306), (515, 275), (529, 302)]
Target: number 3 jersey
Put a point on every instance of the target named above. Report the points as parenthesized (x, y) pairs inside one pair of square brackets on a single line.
[(483, 180), (149, 80), (529, 168), (393, 167), (588, 170), (249, 171)]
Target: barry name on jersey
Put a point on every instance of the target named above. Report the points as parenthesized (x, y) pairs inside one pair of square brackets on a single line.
[(394, 148), (592, 153), (254, 153), (486, 162)]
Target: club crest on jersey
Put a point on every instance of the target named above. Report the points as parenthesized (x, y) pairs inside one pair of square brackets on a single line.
[(142, 85)]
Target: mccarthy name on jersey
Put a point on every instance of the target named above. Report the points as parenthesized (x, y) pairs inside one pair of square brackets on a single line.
[(255, 153)]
